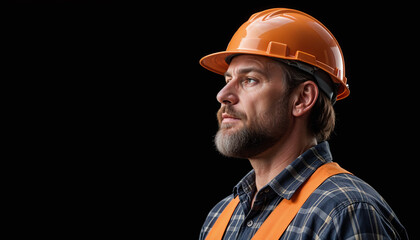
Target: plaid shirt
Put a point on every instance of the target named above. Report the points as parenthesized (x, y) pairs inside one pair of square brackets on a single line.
[(343, 207)]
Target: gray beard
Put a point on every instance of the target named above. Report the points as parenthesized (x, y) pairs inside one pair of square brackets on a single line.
[(243, 143), (250, 141)]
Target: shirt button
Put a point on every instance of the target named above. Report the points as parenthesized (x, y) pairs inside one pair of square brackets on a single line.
[(250, 223)]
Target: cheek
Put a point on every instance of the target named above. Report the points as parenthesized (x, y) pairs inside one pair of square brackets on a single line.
[(253, 111), (263, 105), (271, 111)]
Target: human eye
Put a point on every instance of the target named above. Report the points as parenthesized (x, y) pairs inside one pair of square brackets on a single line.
[(249, 81)]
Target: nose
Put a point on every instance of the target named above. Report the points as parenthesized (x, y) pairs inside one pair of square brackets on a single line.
[(227, 95)]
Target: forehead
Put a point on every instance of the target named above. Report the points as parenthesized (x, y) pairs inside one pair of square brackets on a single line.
[(251, 63)]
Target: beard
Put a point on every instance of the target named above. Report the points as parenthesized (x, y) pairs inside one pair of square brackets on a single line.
[(262, 132)]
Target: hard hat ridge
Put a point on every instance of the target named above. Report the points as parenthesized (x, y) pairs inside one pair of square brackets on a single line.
[(287, 34)]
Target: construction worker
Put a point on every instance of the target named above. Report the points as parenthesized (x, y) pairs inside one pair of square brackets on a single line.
[(284, 71)]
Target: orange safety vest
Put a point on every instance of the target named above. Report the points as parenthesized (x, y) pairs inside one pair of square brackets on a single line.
[(277, 222)]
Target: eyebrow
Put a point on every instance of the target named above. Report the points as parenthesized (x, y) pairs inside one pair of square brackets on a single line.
[(246, 70)]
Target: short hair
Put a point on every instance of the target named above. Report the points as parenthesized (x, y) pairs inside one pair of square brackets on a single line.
[(322, 116)]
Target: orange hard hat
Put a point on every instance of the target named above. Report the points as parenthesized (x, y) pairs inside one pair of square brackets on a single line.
[(286, 34)]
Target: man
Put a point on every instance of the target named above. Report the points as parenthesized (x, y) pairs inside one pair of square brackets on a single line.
[(284, 71)]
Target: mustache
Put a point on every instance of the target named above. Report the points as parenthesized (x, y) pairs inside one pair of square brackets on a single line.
[(229, 110)]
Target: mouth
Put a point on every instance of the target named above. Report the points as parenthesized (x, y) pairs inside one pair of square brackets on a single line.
[(227, 118)]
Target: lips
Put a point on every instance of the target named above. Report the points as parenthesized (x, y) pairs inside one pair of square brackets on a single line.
[(229, 118)]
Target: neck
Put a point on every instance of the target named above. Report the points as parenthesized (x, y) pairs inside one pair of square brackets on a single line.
[(273, 161)]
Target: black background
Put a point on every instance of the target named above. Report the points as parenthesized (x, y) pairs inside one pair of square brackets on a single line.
[(112, 118)]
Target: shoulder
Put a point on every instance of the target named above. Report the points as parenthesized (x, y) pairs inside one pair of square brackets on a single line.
[(213, 215), (345, 189), (349, 206)]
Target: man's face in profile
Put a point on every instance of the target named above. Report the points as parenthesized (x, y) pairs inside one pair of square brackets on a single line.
[(254, 112)]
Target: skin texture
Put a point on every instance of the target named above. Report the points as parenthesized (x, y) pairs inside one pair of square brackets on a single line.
[(260, 120)]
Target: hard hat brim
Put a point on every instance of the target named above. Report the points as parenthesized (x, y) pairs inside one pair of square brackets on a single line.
[(216, 62)]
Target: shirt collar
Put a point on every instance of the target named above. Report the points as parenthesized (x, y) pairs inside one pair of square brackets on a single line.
[(246, 185), (289, 180)]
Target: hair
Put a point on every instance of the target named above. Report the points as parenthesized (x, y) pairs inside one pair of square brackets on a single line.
[(322, 116)]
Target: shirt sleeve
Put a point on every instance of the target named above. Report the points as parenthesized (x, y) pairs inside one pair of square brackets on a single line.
[(360, 221)]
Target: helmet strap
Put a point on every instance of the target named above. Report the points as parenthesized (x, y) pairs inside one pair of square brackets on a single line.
[(322, 79)]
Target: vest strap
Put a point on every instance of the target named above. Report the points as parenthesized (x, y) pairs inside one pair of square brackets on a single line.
[(277, 222)]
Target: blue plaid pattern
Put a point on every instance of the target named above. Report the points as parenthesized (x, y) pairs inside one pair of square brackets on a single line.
[(343, 207)]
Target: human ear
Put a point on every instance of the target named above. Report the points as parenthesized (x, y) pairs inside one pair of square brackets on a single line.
[(306, 95)]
